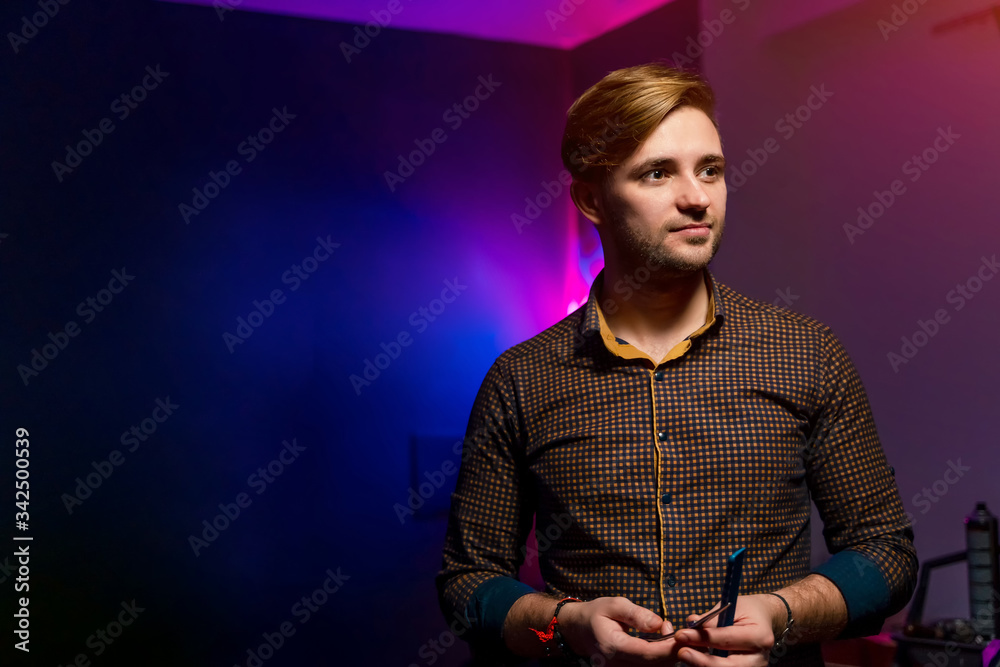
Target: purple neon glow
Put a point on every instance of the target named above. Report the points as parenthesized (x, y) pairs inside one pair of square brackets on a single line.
[(585, 262), (562, 24)]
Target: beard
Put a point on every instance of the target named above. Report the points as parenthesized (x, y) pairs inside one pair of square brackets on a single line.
[(650, 250)]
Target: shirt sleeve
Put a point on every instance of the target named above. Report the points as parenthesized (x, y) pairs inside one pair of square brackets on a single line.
[(874, 563), (490, 516)]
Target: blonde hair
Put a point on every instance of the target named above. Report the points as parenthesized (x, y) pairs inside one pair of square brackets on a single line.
[(606, 124)]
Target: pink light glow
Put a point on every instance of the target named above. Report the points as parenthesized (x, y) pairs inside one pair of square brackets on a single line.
[(585, 259), (562, 25)]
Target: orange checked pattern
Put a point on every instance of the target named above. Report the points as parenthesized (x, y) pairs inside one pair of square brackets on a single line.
[(645, 476)]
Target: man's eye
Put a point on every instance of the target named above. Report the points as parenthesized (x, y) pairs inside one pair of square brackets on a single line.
[(713, 171)]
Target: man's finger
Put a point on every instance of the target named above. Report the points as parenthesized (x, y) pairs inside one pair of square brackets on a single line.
[(632, 650), (710, 623), (695, 658), (732, 638), (634, 616)]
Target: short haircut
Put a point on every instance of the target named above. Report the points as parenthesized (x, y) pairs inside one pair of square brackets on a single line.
[(609, 122)]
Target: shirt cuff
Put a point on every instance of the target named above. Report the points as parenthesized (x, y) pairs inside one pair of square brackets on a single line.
[(864, 588), (488, 607)]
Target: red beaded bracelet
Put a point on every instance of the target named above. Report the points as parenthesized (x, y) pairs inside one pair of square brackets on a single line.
[(552, 631)]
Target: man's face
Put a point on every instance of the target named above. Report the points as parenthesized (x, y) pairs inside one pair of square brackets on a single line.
[(666, 205)]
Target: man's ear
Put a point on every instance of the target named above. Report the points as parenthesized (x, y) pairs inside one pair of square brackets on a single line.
[(587, 197)]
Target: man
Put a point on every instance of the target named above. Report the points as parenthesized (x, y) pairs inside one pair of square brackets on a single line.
[(667, 423)]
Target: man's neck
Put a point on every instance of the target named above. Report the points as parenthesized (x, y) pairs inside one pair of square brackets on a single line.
[(656, 314)]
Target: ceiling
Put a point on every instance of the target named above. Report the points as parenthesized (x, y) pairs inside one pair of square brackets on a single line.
[(561, 24)]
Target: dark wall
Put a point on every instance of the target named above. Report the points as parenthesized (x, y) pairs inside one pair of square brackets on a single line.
[(655, 36), (906, 115), (185, 348)]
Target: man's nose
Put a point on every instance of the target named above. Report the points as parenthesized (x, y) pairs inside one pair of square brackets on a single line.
[(692, 194)]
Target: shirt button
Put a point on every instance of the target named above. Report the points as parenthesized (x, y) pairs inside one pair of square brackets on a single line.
[(671, 580), (661, 436), (666, 498), (659, 376)]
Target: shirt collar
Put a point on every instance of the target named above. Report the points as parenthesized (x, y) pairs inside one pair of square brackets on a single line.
[(593, 315)]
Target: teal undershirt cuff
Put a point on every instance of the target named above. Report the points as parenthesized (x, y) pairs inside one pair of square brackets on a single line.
[(492, 599), (856, 576), (864, 588)]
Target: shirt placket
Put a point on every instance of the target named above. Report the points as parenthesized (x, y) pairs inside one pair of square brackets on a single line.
[(666, 470)]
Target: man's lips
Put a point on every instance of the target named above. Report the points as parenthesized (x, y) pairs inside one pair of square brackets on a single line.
[(697, 229)]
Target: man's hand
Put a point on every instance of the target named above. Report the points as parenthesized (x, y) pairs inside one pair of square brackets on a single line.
[(748, 640), (595, 628), (817, 606), (599, 627)]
